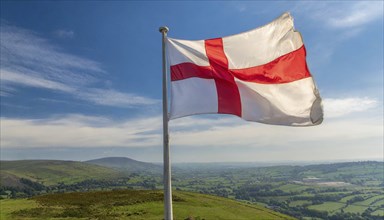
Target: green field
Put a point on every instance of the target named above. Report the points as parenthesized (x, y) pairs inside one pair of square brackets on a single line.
[(9, 206), (345, 199), (355, 209), (131, 204), (51, 172), (379, 212), (299, 203), (328, 206), (378, 203), (371, 201), (293, 188)]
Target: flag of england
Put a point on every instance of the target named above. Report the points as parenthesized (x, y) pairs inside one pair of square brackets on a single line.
[(259, 75)]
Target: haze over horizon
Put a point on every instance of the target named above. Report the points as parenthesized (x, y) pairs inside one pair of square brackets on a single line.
[(82, 80), (264, 163)]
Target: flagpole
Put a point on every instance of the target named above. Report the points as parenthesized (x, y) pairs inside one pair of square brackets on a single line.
[(168, 214)]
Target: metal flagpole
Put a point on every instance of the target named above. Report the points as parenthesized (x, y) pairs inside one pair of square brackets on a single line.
[(168, 214)]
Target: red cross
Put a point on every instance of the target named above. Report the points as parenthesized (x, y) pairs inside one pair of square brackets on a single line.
[(227, 92)]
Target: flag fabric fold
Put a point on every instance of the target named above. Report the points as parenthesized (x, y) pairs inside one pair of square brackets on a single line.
[(260, 75)]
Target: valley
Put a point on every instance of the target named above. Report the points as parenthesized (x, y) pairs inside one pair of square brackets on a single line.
[(350, 190)]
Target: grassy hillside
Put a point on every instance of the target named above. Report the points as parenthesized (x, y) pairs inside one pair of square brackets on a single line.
[(50, 172), (131, 204), (127, 164), (342, 191)]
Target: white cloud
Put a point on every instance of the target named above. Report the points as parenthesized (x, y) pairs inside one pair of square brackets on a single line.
[(240, 6), (30, 60), (6, 90), (333, 23), (106, 97), (20, 47), (203, 121), (342, 15), (4, 93), (342, 135), (354, 137), (32, 80), (341, 107), (65, 34), (358, 14), (197, 131), (79, 131), (111, 97)]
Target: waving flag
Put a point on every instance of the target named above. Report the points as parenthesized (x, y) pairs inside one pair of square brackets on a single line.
[(260, 75)]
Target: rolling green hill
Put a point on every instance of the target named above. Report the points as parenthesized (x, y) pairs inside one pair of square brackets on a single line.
[(350, 190), (131, 204), (127, 164), (51, 172)]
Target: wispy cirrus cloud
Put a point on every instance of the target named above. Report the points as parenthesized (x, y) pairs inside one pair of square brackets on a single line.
[(110, 97), (335, 23), (29, 60), (64, 34), (6, 90), (32, 80), (341, 15), (24, 48), (359, 13), (106, 97), (79, 131)]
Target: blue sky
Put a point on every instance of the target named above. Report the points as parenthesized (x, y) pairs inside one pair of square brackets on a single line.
[(82, 80)]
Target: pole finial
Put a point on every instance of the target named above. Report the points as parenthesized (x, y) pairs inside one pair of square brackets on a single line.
[(164, 29)]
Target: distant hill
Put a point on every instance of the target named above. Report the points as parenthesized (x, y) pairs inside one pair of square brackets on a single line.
[(132, 204), (127, 164), (51, 172)]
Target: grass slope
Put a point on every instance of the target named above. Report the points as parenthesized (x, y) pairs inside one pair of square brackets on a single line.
[(50, 172), (131, 204), (126, 164)]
